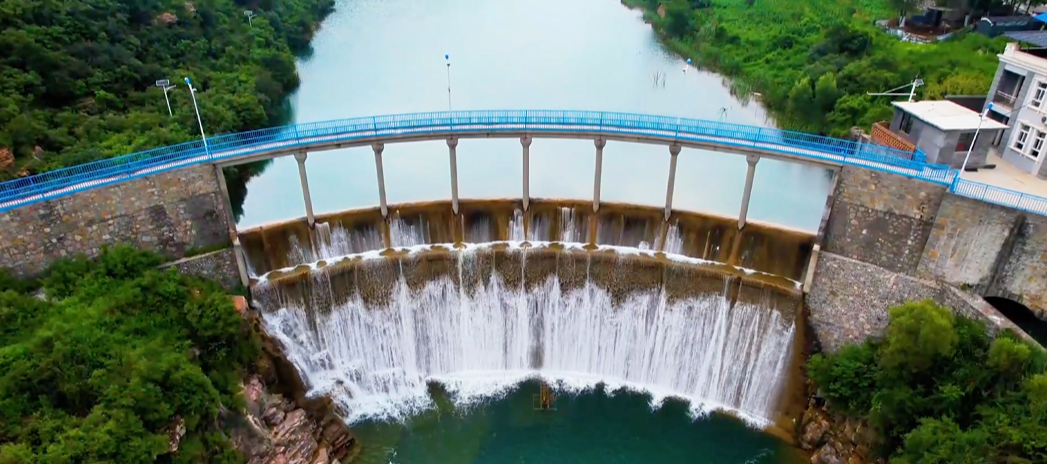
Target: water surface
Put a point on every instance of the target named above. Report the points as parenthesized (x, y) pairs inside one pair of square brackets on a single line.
[(381, 57), (592, 427)]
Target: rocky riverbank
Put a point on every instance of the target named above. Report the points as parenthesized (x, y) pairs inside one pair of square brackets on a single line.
[(833, 438), (281, 425)]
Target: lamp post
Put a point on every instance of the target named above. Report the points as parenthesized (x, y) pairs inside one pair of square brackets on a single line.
[(448, 59), (192, 92), (249, 14), (981, 119), (166, 85)]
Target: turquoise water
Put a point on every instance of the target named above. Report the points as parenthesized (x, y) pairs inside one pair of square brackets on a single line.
[(587, 428)]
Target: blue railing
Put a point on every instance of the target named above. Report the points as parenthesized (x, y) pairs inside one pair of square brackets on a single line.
[(1000, 196), (493, 123)]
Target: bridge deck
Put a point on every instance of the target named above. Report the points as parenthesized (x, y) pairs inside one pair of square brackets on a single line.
[(234, 149)]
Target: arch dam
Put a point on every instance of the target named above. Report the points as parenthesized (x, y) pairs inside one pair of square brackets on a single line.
[(894, 227)]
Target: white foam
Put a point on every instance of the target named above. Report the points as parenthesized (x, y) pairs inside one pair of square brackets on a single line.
[(375, 361)]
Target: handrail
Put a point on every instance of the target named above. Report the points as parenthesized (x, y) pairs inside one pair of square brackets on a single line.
[(1000, 196), (70, 180)]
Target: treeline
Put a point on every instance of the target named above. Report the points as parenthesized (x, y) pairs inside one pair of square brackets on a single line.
[(938, 390), (77, 76), (814, 61), (114, 359)]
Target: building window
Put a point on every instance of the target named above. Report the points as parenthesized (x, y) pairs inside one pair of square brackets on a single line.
[(965, 141), (1038, 95), (906, 125), (1037, 145), (1021, 138)]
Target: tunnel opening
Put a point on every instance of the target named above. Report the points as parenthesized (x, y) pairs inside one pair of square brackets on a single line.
[(1021, 316)]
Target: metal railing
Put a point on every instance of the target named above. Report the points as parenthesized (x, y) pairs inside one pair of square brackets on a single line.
[(1000, 196), (488, 123), (1004, 98)]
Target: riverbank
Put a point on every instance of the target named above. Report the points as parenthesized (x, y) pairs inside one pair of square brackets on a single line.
[(814, 62), (83, 93)]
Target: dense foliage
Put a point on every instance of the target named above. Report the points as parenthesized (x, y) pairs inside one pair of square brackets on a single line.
[(814, 61), (77, 76), (937, 389), (117, 354)]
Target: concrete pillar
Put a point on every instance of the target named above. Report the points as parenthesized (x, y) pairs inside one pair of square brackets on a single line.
[(300, 157), (600, 143), (378, 148), (241, 262), (526, 142), (674, 151), (812, 265), (751, 159), (452, 145)]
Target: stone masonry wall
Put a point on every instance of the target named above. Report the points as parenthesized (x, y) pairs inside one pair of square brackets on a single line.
[(167, 213), (967, 240), (219, 266), (849, 300), (882, 218), (1022, 276)]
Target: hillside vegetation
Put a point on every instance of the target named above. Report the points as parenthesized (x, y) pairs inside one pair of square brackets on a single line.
[(117, 357), (938, 390), (77, 76), (813, 61)]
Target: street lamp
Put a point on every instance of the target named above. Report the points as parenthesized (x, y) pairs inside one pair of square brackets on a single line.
[(448, 58), (166, 85), (249, 14), (981, 118), (192, 92)]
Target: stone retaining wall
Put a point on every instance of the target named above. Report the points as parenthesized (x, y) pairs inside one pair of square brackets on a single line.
[(219, 266), (850, 299), (882, 218), (167, 213)]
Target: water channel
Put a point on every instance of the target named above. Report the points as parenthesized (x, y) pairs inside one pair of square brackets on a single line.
[(380, 57)]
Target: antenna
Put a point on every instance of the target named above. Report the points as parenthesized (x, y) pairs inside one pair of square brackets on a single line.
[(912, 91)]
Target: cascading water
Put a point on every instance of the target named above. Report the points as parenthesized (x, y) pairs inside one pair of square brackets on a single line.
[(332, 242), (481, 340)]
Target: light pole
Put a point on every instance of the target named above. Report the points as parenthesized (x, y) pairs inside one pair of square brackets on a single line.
[(192, 92), (249, 14), (448, 58), (981, 119), (166, 85)]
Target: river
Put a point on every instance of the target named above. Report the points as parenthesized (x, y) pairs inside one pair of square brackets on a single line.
[(381, 57)]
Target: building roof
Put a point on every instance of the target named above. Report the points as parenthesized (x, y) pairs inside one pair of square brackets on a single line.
[(947, 116), (1037, 38)]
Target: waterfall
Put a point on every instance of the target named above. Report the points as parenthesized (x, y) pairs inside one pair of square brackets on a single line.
[(485, 337)]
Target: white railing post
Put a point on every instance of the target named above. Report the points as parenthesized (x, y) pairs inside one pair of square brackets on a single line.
[(600, 143), (300, 157), (749, 175), (525, 141), (378, 148), (452, 145), (674, 151)]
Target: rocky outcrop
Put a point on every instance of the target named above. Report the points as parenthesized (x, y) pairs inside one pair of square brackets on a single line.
[(282, 425), (277, 431), (833, 438)]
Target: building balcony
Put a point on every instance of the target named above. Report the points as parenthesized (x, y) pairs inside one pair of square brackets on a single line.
[(1003, 101)]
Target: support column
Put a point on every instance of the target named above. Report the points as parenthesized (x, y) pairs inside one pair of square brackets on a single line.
[(378, 148), (452, 145), (526, 142), (600, 143), (300, 157), (751, 159), (241, 262), (674, 150)]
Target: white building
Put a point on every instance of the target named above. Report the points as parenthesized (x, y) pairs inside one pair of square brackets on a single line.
[(1019, 100)]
